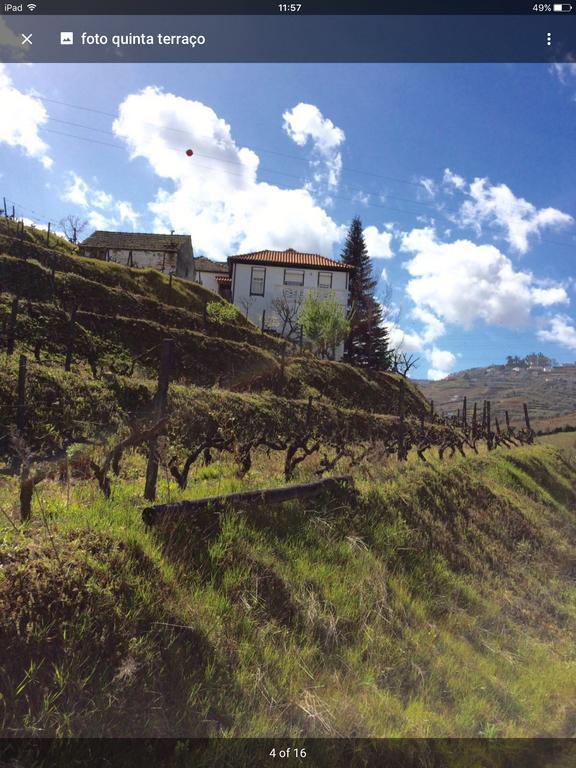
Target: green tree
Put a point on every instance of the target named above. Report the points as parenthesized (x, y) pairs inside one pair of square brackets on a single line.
[(367, 343), (324, 323)]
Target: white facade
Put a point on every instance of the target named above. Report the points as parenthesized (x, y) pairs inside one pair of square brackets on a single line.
[(256, 287), (208, 279)]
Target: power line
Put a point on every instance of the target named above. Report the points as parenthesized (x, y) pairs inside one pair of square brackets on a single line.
[(183, 132), (443, 213)]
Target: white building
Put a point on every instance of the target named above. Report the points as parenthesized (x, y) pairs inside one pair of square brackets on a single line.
[(266, 283), (166, 253), (211, 274)]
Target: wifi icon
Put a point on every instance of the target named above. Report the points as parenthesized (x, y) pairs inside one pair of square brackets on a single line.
[(31, 6)]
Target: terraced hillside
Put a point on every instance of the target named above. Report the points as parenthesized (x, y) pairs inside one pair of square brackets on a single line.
[(550, 392)]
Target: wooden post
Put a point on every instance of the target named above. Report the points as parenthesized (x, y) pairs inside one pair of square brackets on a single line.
[(489, 442), (48, 234), (528, 427), (464, 412), (53, 281), (497, 425), (170, 276), (11, 335), (71, 338), (432, 409), (5, 208), (401, 450), (484, 415), (507, 420), (474, 417), (263, 320), (205, 314), (13, 213), (161, 401), (21, 395)]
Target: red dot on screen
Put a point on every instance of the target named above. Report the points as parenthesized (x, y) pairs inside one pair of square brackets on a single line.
[(189, 152)]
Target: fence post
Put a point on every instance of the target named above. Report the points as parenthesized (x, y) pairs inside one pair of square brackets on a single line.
[(21, 395), (489, 442), (205, 313), (432, 409), (528, 427), (161, 401), (11, 335), (48, 235), (71, 338), (263, 320), (474, 418), (464, 412), (507, 420), (401, 450), (5, 208)]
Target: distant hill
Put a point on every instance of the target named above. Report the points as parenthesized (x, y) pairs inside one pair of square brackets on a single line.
[(550, 392)]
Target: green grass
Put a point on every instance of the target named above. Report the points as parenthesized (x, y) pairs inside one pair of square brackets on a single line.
[(436, 603)]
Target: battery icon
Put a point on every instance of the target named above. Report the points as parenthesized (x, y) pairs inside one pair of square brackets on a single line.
[(562, 7)]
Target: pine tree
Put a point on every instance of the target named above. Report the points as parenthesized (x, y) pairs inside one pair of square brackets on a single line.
[(367, 344)]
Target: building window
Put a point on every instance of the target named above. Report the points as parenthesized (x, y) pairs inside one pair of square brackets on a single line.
[(324, 279), (293, 277), (257, 280)]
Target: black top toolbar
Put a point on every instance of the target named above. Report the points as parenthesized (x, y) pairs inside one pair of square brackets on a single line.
[(276, 7)]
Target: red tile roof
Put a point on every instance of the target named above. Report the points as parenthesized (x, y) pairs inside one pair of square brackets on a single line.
[(290, 258), (223, 279)]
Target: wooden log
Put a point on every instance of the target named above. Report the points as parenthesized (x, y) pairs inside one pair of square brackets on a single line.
[(152, 515)]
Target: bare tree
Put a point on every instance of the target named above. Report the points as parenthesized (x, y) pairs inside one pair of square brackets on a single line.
[(288, 311), (73, 226), (246, 303), (403, 362)]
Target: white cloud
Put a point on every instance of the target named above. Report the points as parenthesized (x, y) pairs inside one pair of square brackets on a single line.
[(441, 359), (564, 71), (453, 180), (435, 375), (21, 116), (433, 326), (560, 329), (404, 341), (429, 185), (498, 207), (461, 282), (378, 243), (215, 194), (306, 122), (102, 210)]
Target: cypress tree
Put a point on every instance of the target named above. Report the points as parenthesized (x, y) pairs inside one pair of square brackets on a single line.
[(367, 343)]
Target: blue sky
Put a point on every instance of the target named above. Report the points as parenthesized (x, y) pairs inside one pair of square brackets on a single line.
[(463, 176)]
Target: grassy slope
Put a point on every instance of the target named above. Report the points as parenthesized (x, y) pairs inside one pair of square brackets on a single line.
[(440, 601)]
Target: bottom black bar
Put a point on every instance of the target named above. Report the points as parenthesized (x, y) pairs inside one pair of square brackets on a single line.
[(320, 753)]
